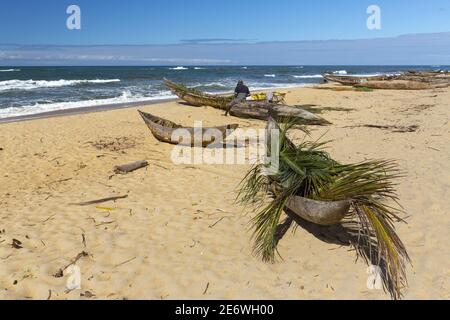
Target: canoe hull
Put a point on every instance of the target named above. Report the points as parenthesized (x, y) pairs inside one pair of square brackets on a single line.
[(406, 81), (401, 85), (169, 132), (264, 111), (324, 213), (198, 99), (349, 81)]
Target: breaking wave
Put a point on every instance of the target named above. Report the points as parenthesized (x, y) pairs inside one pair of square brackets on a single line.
[(36, 84), (340, 72), (124, 98), (314, 76)]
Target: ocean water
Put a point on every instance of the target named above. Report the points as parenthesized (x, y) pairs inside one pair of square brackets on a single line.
[(33, 90)]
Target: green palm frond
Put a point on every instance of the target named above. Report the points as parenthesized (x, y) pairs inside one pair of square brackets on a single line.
[(308, 171)]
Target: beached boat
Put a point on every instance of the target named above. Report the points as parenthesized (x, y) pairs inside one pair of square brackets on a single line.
[(401, 85), (309, 184), (197, 98), (200, 99), (406, 81), (352, 80), (266, 110), (324, 213), (247, 109), (428, 77), (170, 132), (426, 73)]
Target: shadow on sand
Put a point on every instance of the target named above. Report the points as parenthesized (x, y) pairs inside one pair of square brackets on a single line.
[(346, 234)]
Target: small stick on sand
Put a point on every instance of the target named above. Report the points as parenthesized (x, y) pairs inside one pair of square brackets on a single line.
[(88, 203), (213, 225), (206, 290), (104, 223), (125, 262), (60, 181), (49, 218)]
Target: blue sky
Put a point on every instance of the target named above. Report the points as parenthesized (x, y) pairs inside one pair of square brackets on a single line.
[(234, 24), (169, 21)]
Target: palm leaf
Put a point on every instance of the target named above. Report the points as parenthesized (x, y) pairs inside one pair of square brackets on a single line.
[(308, 171)]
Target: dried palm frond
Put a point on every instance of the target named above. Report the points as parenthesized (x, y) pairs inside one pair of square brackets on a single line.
[(308, 171)]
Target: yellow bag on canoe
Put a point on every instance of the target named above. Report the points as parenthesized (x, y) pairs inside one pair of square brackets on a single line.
[(259, 96), (277, 96)]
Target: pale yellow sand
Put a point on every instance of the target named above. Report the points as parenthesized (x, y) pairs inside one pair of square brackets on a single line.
[(163, 242)]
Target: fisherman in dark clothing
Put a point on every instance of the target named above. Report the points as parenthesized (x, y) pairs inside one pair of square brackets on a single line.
[(241, 88), (240, 94)]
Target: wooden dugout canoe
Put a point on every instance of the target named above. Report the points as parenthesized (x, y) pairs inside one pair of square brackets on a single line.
[(265, 110), (401, 85), (165, 131), (197, 98), (324, 213), (200, 99), (349, 80)]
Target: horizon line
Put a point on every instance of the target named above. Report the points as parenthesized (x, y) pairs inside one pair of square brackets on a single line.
[(226, 65), (183, 43)]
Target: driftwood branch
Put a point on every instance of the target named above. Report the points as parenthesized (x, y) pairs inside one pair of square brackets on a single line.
[(127, 168)]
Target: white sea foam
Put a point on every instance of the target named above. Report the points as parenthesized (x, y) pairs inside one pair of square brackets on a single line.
[(269, 86), (270, 75), (199, 68), (314, 76), (124, 98), (179, 68), (368, 75), (36, 84), (340, 72), (10, 70), (212, 84)]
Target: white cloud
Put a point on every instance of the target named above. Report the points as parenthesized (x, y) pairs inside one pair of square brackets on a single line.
[(433, 48)]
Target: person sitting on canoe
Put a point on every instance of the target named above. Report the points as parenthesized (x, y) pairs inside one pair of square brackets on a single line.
[(240, 94)]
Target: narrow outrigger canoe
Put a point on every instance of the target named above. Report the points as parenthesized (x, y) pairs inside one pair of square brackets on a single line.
[(170, 132)]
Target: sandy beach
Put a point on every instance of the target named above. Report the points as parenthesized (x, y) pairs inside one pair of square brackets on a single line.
[(179, 233)]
